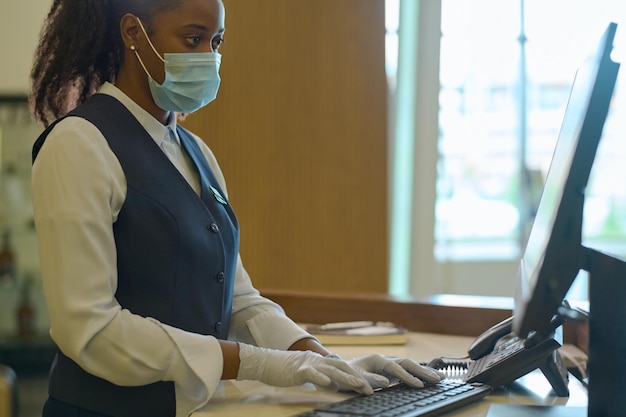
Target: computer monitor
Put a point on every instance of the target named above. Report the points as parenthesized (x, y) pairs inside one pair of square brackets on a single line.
[(554, 253)]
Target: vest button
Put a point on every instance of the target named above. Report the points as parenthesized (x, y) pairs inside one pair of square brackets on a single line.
[(220, 277), (218, 326), (214, 228)]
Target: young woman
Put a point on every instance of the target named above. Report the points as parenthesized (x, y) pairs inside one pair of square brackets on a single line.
[(149, 303)]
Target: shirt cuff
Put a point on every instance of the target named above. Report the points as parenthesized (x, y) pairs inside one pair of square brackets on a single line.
[(196, 369), (273, 330)]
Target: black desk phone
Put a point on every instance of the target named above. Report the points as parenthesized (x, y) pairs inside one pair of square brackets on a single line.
[(498, 357)]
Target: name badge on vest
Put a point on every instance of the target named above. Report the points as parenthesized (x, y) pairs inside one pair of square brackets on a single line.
[(218, 196)]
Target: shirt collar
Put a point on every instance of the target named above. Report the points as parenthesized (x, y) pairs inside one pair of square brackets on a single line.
[(157, 131)]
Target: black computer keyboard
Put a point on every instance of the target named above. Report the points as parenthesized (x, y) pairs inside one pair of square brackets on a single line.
[(403, 401)]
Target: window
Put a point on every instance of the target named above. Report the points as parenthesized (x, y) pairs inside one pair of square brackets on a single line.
[(504, 79)]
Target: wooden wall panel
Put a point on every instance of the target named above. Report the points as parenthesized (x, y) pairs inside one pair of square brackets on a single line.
[(299, 128)]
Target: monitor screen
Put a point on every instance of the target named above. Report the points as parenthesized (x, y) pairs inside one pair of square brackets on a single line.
[(553, 254)]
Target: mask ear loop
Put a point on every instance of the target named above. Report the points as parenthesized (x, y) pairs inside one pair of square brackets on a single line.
[(134, 49), (149, 41)]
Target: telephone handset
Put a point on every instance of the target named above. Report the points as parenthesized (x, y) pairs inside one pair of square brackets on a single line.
[(486, 342), (499, 357)]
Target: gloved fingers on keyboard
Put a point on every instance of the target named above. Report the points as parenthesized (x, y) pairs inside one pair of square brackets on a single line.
[(422, 372)]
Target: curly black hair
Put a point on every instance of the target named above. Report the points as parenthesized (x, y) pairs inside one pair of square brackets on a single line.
[(80, 48)]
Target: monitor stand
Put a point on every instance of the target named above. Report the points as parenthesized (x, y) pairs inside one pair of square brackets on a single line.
[(555, 371), (551, 363), (607, 334)]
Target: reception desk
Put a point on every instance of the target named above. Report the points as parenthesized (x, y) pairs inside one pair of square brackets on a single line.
[(246, 398)]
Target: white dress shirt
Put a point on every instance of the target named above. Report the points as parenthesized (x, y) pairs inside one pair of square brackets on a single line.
[(78, 189)]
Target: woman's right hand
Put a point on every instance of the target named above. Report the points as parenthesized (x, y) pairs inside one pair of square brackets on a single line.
[(291, 368)]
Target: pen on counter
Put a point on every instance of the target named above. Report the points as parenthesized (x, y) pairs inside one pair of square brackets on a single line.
[(346, 325)]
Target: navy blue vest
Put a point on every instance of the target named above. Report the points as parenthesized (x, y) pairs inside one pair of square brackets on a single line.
[(176, 251)]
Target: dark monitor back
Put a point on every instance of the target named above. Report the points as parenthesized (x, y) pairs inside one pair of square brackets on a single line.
[(554, 255)]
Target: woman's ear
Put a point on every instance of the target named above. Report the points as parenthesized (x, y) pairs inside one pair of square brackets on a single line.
[(129, 30)]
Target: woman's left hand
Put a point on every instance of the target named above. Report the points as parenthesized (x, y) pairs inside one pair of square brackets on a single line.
[(381, 370)]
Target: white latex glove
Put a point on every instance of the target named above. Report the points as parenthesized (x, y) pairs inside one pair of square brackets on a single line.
[(290, 368), (380, 371)]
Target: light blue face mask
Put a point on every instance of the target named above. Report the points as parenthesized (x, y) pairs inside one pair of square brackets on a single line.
[(191, 79)]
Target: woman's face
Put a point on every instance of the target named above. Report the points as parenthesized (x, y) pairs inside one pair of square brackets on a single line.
[(195, 26)]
